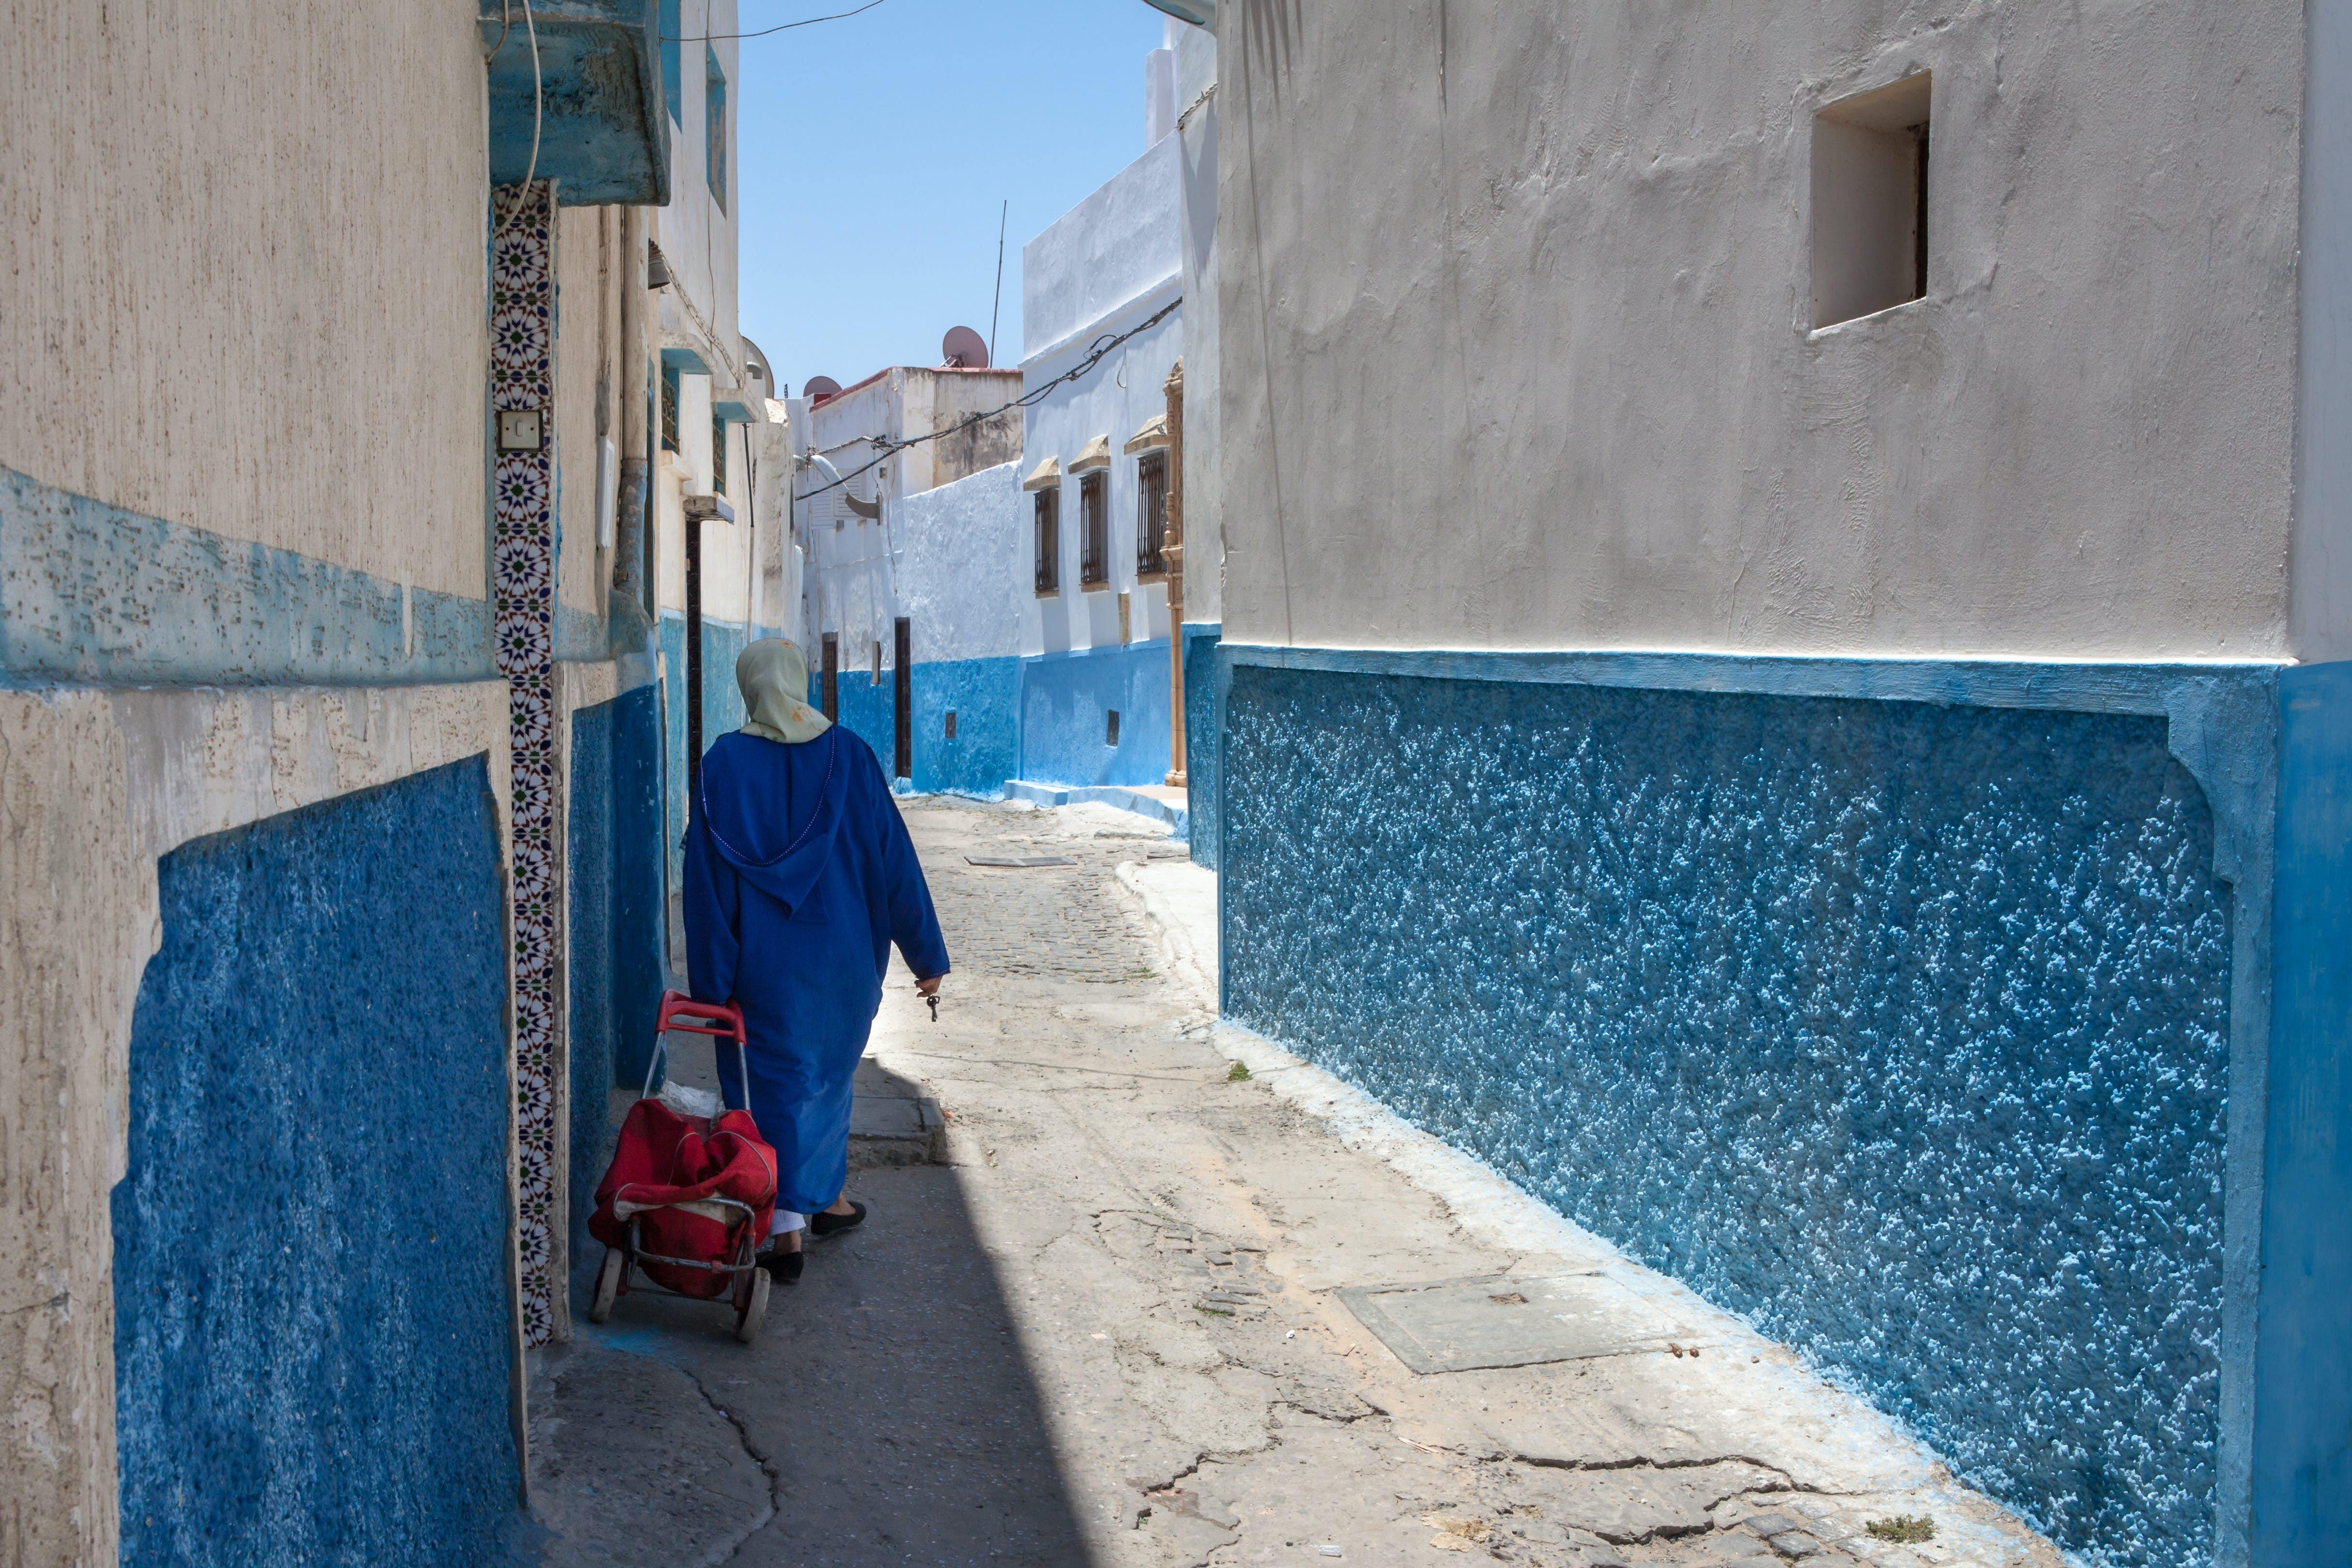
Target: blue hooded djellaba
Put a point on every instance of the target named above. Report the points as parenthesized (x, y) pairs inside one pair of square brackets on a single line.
[(799, 876)]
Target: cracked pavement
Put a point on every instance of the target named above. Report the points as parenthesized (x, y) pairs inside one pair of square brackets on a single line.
[(1105, 1331)]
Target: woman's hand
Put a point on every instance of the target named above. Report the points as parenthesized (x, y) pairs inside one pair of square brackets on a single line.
[(928, 987)]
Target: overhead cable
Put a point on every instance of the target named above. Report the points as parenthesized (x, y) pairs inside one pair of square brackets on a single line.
[(1094, 356), (779, 27)]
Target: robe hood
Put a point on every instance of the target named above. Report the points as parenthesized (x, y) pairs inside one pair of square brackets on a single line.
[(773, 810), (772, 675)]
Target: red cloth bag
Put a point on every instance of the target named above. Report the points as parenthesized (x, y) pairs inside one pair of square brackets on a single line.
[(664, 1160)]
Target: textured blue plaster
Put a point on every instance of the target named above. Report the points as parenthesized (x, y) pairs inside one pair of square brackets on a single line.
[(311, 1245), (90, 592), (722, 703), (640, 934), (1204, 699), (592, 112), (581, 636), (862, 707), (1064, 700), (1903, 1028), (591, 1038), (2302, 1433), (984, 694)]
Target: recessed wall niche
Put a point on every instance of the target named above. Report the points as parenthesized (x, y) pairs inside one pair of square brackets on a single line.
[(1870, 201)]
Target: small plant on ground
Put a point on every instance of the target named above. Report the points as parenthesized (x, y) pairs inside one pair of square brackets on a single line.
[(1237, 1074), (1909, 1528)]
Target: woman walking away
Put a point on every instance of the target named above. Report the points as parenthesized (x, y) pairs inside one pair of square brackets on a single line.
[(799, 876)]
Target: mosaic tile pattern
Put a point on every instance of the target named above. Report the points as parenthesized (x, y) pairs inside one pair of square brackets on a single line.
[(522, 377)]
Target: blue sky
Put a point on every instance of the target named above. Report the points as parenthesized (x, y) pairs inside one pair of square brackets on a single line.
[(874, 153)]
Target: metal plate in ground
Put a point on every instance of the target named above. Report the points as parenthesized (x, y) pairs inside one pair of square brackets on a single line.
[(1503, 1320), (1018, 862)]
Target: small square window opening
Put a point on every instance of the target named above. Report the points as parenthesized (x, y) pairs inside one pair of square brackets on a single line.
[(1870, 201), (1110, 728), (950, 735)]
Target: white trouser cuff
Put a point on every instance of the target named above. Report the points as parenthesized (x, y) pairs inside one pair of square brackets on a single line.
[(785, 1222)]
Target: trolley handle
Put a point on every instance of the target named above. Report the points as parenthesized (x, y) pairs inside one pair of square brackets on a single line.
[(720, 1020)]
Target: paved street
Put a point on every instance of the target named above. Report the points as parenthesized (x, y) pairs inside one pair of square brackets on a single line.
[(1108, 1331)]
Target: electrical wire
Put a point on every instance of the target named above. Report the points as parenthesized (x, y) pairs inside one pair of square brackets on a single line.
[(506, 25), (538, 119), (1096, 352), (781, 27)]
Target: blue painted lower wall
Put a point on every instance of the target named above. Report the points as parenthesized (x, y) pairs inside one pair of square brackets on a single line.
[(1043, 719), (1065, 702), (723, 705), (1903, 1028), (863, 708), (312, 1326), (592, 1037), (984, 694), (640, 858), (2303, 1382), (1204, 728)]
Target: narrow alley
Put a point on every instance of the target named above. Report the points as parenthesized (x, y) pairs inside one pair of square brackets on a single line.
[(1111, 1328), (1615, 743)]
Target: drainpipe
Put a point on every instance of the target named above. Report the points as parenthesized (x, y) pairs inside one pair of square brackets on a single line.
[(1174, 554)]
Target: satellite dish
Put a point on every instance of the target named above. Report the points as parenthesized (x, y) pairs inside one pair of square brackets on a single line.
[(817, 388), (964, 348), (756, 364)]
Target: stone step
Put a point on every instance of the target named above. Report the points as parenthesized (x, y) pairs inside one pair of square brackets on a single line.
[(893, 1130)]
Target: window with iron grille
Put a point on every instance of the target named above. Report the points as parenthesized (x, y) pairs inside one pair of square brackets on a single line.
[(719, 455), (1093, 523), (1049, 541), (1151, 515), (669, 408)]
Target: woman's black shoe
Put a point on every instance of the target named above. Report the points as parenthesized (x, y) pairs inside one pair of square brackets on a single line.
[(821, 1225), (784, 1267)]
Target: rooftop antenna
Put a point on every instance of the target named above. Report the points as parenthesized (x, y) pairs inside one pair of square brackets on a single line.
[(997, 304)]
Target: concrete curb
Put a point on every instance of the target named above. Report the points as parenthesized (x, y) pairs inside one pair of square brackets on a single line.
[(1139, 802)]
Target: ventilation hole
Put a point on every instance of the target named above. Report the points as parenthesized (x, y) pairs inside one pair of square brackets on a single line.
[(1111, 729)]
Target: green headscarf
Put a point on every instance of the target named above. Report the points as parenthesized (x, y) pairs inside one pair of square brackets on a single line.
[(773, 677)]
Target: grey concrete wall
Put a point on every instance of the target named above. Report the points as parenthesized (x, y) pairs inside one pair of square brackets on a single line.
[(1514, 308), (246, 252)]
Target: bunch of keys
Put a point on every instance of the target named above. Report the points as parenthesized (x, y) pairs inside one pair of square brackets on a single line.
[(934, 1000)]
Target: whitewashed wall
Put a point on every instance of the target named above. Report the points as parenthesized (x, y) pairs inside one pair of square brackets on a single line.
[(1104, 267), (1516, 351)]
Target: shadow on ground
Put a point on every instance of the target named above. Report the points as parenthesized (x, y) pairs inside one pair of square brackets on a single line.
[(885, 1415)]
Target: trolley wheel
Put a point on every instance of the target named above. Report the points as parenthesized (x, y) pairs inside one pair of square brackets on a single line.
[(753, 1312), (608, 1284)]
